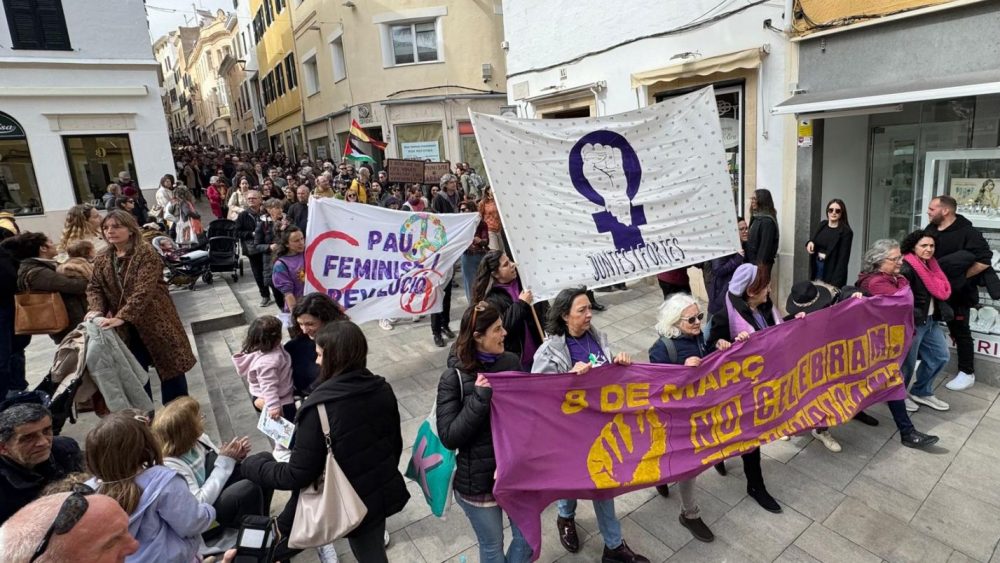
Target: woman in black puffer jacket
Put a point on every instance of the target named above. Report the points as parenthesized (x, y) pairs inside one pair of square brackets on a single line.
[(365, 437), (463, 423), (498, 284)]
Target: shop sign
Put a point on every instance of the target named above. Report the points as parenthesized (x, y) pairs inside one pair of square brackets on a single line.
[(422, 150), (434, 170), (805, 133), (730, 132), (10, 129), (406, 171)]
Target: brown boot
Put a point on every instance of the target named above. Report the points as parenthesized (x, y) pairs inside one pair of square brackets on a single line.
[(567, 534)]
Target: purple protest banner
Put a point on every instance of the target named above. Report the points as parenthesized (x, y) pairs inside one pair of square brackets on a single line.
[(617, 429)]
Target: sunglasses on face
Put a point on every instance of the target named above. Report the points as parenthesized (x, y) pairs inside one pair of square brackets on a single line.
[(70, 513), (697, 318), (833, 210)]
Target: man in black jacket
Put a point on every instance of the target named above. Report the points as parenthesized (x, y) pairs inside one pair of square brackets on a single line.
[(30, 457), (298, 212), (446, 201), (954, 233), (246, 226)]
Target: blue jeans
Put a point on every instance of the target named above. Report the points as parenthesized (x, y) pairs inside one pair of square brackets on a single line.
[(488, 525), (607, 522), (930, 347), (470, 263)]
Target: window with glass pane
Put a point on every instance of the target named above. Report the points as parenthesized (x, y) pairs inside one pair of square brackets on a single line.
[(426, 41), (402, 44), (18, 185), (95, 161)]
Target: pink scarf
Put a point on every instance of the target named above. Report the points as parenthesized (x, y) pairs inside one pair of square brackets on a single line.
[(930, 273)]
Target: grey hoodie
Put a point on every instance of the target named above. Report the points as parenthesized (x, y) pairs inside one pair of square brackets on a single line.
[(553, 355)]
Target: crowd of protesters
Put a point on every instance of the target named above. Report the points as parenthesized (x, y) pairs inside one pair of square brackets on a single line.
[(151, 484)]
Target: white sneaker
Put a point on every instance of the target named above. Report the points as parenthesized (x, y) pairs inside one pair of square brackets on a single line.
[(785, 438), (931, 401), (961, 381), (910, 405), (828, 440), (385, 324), (327, 553), (387, 540)]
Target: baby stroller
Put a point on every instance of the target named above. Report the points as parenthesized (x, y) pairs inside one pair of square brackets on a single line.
[(182, 268), (224, 255)]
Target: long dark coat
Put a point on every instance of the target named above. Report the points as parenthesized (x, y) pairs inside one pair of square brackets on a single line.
[(143, 301)]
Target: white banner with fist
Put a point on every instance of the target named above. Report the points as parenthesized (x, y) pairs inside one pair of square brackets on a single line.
[(598, 201)]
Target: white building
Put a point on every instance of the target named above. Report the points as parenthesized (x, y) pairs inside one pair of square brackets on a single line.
[(606, 60), (79, 102)]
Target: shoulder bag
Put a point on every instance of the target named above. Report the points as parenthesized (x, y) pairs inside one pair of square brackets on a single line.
[(39, 312), (328, 509), (432, 465)]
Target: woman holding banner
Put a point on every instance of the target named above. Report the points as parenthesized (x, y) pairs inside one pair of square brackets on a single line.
[(748, 309), (880, 275), (497, 282), (682, 343), (463, 423), (574, 346)]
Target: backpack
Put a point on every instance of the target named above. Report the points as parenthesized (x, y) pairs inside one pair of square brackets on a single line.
[(476, 182), (671, 349)]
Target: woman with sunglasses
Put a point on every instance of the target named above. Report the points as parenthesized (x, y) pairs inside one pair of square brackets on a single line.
[(830, 247), (574, 346), (463, 423), (681, 343)]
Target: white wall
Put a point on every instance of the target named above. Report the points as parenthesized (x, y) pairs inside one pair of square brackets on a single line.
[(98, 29), (845, 166)]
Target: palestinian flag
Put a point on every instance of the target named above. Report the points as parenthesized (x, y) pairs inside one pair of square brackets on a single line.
[(358, 133), (352, 150)]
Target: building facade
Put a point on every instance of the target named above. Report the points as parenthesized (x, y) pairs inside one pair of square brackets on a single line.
[(209, 93), (272, 36), (407, 72), (892, 111), (620, 60), (76, 107), (240, 72)]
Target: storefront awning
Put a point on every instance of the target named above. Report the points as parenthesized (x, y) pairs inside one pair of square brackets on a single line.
[(748, 58), (957, 86)]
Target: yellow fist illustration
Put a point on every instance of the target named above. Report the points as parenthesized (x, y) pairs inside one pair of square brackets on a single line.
[(609, 462)]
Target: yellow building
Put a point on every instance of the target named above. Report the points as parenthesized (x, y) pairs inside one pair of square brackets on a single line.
[(279, 84), (406, 71)]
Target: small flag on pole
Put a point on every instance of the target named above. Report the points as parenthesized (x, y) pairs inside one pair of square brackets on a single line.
[(352, 150)]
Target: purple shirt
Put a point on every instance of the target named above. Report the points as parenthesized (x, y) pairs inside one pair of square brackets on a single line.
[(289, 275), (586, 349)]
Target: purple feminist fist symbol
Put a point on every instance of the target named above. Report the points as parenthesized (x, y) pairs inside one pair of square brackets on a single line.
[(421, 464), (605, 169)]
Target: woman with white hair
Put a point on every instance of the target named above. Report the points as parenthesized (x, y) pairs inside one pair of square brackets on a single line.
[(681, 343)]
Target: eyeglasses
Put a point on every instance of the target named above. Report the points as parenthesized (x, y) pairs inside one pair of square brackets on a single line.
[(697, 318), (895, 259), (70, 513), (836, 210)]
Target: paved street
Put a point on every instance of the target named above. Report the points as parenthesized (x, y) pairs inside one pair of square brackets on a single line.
[(874, 501)]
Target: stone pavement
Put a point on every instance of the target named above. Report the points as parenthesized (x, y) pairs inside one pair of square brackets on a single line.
[(874, 501)]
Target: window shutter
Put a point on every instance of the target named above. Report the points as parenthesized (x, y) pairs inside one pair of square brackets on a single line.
[(52, 22), (24, 30)]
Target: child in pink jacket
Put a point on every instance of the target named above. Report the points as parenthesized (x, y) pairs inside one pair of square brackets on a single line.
[(267, 368)]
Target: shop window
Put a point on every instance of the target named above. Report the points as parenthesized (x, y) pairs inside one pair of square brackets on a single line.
[(95, 161), (470, 149), (414, 42), (420, 141), (319, 148), (18, 185), (37, 25)]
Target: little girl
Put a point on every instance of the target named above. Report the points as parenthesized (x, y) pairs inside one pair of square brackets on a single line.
[(267, 368), (80, 263)]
